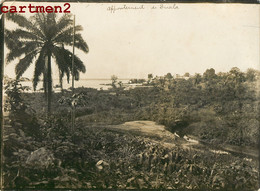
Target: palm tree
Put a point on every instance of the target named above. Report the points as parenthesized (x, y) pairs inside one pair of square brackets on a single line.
[(40, 38)]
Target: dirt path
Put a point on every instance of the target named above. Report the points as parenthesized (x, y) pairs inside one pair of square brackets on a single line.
[(155, 133), (158, 133), (148, 129)]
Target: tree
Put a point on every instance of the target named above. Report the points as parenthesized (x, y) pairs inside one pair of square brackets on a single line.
[(150, 77), (197, 79), (209, 74), (187, 74), (40, 38), (114, 79), (251, 74), (236, 75), (169, 76)]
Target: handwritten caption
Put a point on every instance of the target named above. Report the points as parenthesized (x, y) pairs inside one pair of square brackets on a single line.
[(65, 8), (114, 8)]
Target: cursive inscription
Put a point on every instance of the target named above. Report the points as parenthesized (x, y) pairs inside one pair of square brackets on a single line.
[(165, 6), (115, 8)]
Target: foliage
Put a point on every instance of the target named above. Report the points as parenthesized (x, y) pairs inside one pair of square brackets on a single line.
[(216, 108), (78, 99), (136, 81), (220, 108), (104, 159), (14, 102), (20, 114), (114, 80)]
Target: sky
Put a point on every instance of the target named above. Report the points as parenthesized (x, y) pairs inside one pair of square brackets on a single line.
[(135, 42)]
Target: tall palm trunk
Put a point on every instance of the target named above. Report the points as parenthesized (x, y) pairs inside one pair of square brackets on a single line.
[(61, 82), (45, 81), (49, 83)]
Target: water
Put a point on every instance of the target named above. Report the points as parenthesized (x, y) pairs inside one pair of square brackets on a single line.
[(87, 83)]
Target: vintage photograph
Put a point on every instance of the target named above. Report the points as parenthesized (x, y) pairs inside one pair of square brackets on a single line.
[(130, 96)]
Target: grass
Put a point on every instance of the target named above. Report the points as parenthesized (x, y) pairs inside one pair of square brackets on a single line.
[(96, 157), (104, 159)]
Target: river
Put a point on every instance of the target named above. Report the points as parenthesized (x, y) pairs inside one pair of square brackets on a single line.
[(87, 83)]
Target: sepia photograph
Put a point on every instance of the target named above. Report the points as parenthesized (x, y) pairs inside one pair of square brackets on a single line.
[(121, 96)]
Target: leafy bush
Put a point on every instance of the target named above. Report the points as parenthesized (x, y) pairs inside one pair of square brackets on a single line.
[(20, 114)]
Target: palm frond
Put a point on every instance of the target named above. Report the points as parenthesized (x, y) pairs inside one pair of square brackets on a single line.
[(68, 76), (79, 66), (79, 42), (39, 68), (64, 61), (41, 23), (23, 22), (51, 17), (76, 75), (61, 60), (11, 41), (27, 47), (61, 75), (67, 33), (64, 22), (51, 30), (24, 63), (23, 34)]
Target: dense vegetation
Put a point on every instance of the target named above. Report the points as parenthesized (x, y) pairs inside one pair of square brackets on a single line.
[(220, 108), (217, 108)]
